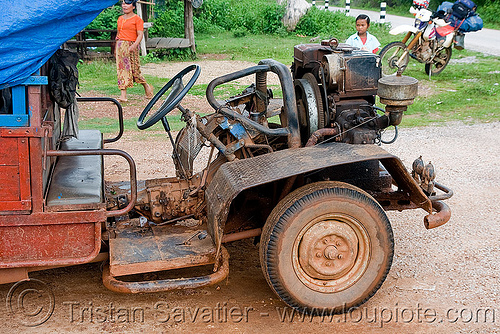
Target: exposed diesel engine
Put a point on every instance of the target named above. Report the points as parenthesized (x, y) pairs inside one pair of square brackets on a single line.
[(336, 87)]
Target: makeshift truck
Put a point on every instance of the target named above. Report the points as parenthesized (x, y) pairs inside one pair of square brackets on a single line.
[(303, 174)]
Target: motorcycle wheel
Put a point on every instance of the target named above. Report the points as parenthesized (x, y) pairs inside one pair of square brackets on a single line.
[(439, 62), (392, 54)]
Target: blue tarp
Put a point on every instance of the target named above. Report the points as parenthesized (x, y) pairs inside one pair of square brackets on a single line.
[(32, 30)]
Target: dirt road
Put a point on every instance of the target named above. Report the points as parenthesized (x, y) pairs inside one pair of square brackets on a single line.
[(442, 281)]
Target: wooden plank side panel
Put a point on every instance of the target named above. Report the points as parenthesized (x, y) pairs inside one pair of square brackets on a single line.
[(15, 192), (24, 173), (9, 181), (9, 152)]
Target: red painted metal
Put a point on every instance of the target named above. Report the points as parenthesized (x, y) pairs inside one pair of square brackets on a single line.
[(14, 175), (25, 132), (54, 218), (31, 237), (49, 245)]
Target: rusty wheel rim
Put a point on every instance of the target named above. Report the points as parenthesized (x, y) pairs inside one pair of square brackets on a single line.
[(331, 253)]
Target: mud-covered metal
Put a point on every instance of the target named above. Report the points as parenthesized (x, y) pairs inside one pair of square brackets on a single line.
[(114, 284), (234, 177), (289, 103), (397, 90), (442, 216), (331, 253), (139, 249), (349, 71)]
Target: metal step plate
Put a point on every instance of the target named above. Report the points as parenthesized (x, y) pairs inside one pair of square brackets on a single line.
[(135, 249)]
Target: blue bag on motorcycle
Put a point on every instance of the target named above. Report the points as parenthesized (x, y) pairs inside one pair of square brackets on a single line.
[(472, 23)]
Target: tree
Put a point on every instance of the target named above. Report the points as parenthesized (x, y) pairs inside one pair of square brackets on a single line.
[(295, 9)]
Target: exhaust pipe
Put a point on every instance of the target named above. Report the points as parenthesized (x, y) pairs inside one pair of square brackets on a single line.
[(441, 217)]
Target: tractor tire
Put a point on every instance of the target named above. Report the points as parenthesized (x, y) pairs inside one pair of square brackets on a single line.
[(327, 246)]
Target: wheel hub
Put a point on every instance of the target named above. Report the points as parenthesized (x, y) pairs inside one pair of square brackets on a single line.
[(328, 250), (331, 253)]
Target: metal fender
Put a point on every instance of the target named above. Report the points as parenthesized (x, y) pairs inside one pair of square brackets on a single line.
[(233, 177), (403, 29), (449, 40)]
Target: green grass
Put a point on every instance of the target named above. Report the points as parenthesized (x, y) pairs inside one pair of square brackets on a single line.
[(467, 92), (251, 47), (100, 76)]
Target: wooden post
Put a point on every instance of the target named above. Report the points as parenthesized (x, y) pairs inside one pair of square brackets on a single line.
[(188, 24), (143, 42)]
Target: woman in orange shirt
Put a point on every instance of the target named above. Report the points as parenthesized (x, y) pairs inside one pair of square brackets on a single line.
[(130, 34)]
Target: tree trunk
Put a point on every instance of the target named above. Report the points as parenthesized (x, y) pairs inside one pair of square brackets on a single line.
[(188, 24), (295, 9)]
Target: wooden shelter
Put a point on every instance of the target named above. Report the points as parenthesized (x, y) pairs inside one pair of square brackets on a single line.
[(145, 9)]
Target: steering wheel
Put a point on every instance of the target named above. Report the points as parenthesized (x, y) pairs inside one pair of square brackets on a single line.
[(172, 100)]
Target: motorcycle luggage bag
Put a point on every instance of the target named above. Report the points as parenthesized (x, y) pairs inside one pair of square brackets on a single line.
[(445, 30), (467, 3), (472, 23), (445, 7), (463, 9)]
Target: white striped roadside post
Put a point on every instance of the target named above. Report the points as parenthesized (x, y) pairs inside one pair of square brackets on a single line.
[(382, 12), (326, 4), (347, 7), (314, 2)]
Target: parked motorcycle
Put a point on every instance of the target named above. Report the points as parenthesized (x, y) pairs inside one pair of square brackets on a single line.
[(430, 41)]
